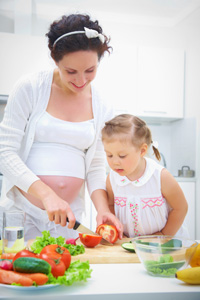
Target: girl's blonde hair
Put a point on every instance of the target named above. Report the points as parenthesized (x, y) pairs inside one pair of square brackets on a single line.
[(126, 127)]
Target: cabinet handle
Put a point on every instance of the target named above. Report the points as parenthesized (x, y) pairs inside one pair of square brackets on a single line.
[(154, 111)]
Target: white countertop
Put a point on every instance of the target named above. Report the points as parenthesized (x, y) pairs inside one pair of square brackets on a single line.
[(185, 179), (114, 282)]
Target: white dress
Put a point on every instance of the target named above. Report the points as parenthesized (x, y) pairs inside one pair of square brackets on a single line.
[(140, 205)]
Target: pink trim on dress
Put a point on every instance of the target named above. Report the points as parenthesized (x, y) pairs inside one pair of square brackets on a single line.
[(120, 201), (152, 202)]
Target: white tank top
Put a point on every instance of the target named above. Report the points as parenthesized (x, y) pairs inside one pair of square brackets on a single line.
[(59, 147)]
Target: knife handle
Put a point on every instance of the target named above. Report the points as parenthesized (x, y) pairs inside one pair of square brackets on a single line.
[(77, 224)]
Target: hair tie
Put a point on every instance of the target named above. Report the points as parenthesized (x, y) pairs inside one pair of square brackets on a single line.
[(90, 33), (154, 144)]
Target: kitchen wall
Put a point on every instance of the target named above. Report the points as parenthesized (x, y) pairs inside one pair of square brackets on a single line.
[(180, 140)]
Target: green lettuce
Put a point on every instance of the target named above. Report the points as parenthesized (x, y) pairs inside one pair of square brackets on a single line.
[(44, 240), (47, 239), (77, 271)]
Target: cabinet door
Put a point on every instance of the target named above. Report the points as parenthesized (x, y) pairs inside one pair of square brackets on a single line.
[(160, 82), (188, 189), (116, 78)]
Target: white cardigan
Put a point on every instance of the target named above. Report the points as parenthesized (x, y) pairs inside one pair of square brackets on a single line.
[(27, 101)]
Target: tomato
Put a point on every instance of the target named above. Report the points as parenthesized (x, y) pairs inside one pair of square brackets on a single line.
[(90, 240), (108, 232), (57, 265), (24, 253), (58, 252)]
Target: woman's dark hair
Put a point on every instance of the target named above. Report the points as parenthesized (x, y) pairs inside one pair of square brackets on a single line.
[(126, 127), (75, 42)]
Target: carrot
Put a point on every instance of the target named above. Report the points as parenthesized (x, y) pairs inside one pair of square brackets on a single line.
[(39, 278), (8, 255), (9, 277)]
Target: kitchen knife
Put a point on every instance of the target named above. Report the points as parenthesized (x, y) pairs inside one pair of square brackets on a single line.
[(82, 229)]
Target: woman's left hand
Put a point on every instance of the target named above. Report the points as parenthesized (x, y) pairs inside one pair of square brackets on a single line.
[(109, 218)]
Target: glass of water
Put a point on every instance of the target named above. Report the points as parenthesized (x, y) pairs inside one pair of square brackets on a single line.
[(13, 231)]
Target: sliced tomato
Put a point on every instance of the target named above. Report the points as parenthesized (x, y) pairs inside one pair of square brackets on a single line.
[(108, 232), (58, 252), (90, 240), (57, 265)]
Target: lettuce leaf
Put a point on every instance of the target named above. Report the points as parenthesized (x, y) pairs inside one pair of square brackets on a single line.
[(78, 271), (75, 249), (46, 239)]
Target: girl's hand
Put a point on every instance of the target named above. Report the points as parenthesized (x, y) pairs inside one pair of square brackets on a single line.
[(109, 218), (158, 233)]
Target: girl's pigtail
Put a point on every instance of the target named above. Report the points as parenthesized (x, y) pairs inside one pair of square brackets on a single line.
[(154, 145), (157, 153)]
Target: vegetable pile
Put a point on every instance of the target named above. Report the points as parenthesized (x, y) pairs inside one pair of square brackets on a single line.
[(48, 262)]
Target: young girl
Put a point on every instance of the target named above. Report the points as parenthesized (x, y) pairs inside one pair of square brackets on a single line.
[(142, 193)]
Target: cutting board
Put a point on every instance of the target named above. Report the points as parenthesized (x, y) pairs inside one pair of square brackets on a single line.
[(102, 254)]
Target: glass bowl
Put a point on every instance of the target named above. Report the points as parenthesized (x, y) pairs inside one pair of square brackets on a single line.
[(163, 255)]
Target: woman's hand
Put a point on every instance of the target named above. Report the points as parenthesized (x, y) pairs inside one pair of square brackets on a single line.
[(109, 218), (57, 209)]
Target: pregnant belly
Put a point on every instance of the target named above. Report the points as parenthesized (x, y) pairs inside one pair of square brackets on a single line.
[(65, 187)]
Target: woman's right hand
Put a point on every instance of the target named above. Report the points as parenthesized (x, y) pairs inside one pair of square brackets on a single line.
[(57, 209)]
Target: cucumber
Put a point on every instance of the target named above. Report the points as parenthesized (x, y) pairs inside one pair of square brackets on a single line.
[(31, 265), (128, 246)]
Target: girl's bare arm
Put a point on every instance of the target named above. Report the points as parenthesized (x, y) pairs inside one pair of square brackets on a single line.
[(110, 195), (175, 197)]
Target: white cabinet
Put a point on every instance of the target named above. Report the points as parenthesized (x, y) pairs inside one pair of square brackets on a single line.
[(188, 189), (160, 82), (19, 55), (145, 81), (117, 78)]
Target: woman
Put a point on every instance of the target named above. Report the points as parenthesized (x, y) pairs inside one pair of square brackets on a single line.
[(50, 134)]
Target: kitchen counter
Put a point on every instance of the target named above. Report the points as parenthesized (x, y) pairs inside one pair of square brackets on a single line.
[(114, 282), (185, 179)]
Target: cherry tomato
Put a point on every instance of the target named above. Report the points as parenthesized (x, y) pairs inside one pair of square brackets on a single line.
[(57, 265), (58, 252), (108, 232), (90, 240), (24, 253)]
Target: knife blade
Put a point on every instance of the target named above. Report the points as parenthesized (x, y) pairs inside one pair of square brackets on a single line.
[(82, 229)]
